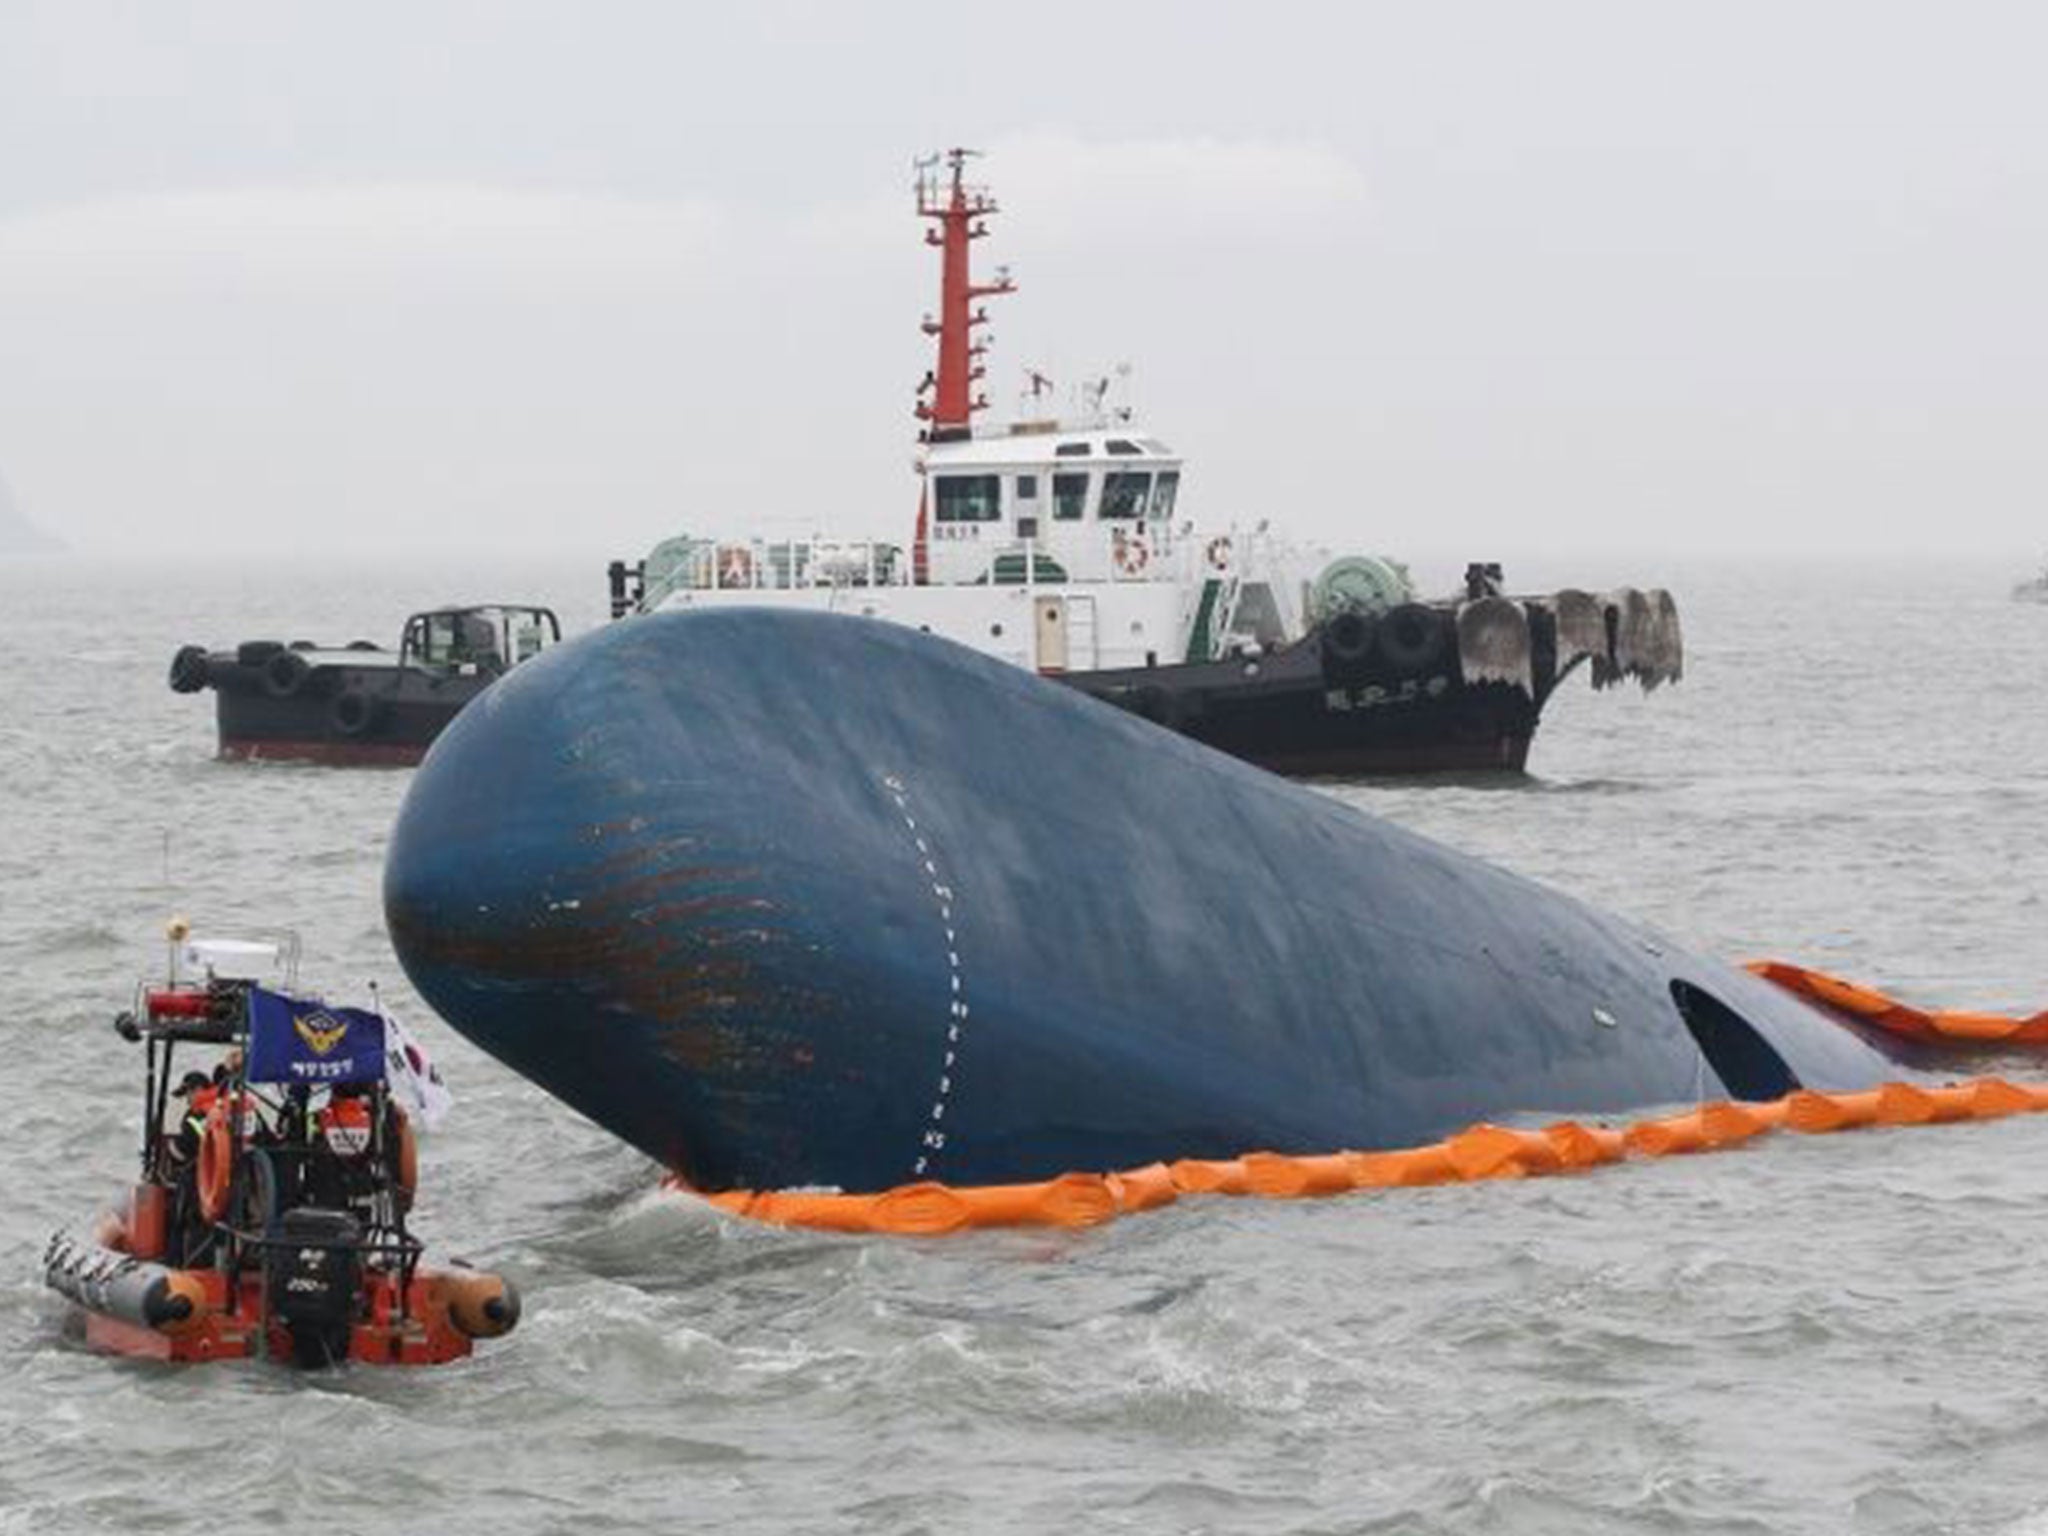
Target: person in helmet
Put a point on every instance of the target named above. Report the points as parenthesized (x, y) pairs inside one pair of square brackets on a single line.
[(198, 1091)]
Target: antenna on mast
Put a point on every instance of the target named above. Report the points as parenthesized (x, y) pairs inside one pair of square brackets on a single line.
[(960, 213), (959, 216)]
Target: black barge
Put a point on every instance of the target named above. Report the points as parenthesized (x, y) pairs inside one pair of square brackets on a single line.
[(361, 704)]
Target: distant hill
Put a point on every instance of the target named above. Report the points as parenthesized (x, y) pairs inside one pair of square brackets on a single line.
[(19, 536)]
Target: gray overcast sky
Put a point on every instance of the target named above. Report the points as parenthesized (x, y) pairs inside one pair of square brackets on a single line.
[(1492, 277)]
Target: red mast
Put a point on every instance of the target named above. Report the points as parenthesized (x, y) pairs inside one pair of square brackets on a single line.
[(960, 212)]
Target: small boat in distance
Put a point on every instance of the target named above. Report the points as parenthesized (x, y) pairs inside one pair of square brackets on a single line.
[(1060, 545), (361, 704), (270, 1220), (2035, 591)]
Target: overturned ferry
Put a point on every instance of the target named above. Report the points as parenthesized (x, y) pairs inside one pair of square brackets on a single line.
[(790, 899), (270, 1219)]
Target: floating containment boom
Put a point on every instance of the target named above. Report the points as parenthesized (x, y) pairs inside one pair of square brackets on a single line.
[(800, 900)]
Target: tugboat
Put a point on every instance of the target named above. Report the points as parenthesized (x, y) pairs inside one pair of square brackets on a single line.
[(361, 704), (1058, 546), (270, 1217)]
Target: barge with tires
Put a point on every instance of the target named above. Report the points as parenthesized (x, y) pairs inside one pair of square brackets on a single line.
[(271, 1216), (1061, 546), (360, 703)]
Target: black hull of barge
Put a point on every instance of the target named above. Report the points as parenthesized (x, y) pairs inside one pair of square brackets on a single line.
[(1284, 717), (340, 716)]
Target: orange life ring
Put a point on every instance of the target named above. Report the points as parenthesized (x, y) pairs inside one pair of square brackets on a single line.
[(1132, 553), (735, 566), (1218, 552), (216, 1165)]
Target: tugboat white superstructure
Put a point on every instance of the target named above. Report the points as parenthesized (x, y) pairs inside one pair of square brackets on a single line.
[(1060, 546)]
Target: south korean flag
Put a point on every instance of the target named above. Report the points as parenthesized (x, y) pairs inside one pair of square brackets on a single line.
[(415, 1080)]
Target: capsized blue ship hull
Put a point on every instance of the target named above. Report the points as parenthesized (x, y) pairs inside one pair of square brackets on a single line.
[(794, 899)]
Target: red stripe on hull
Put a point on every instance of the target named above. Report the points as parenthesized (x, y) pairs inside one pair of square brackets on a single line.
[(332, 754)]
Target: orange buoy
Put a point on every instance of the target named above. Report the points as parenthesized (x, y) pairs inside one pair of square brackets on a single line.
[(1202, 1176), (1415, 1167), (1496, 1151), (1726, 1122), (1812, 1112), (1668, 1137), (1143, 1189), (1585, 1146), (1279, 1177)]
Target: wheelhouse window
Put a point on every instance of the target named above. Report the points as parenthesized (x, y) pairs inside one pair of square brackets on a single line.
[(452, 637), (1027, 487), (1072, 451), (437, 643), (969, 498), (1069, 497), (1125, 494), (1164, 492), (1121, 447)]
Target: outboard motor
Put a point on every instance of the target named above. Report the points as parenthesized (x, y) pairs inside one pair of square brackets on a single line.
[(314, 1271)]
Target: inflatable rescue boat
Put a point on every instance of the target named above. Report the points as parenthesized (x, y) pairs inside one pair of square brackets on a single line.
[(270, 1219)]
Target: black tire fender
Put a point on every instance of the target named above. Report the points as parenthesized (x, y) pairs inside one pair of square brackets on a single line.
[(190, 669), (285, 673), (1411, 639), (253, 653), (353, 712), (1347, 642)]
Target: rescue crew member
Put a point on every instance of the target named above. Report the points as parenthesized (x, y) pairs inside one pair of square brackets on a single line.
[(187, 1230), (353, 1163), (198, 1092)]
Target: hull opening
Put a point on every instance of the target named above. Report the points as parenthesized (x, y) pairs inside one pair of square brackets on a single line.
[(1745, 1062)]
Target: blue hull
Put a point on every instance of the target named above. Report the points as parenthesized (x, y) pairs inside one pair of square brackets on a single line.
[(791, 899)]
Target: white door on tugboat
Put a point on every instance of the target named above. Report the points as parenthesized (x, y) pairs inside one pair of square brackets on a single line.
[(1051, 621)]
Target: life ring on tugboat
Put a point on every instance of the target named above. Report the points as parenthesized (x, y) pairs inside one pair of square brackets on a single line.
[(735, 566), (1218, 552), (216, 1171), (1131, 553)]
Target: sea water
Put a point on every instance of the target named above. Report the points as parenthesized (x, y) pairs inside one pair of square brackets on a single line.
[(1831, 1334)]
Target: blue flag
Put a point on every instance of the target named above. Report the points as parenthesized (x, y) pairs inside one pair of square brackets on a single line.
[(295, 1041)]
